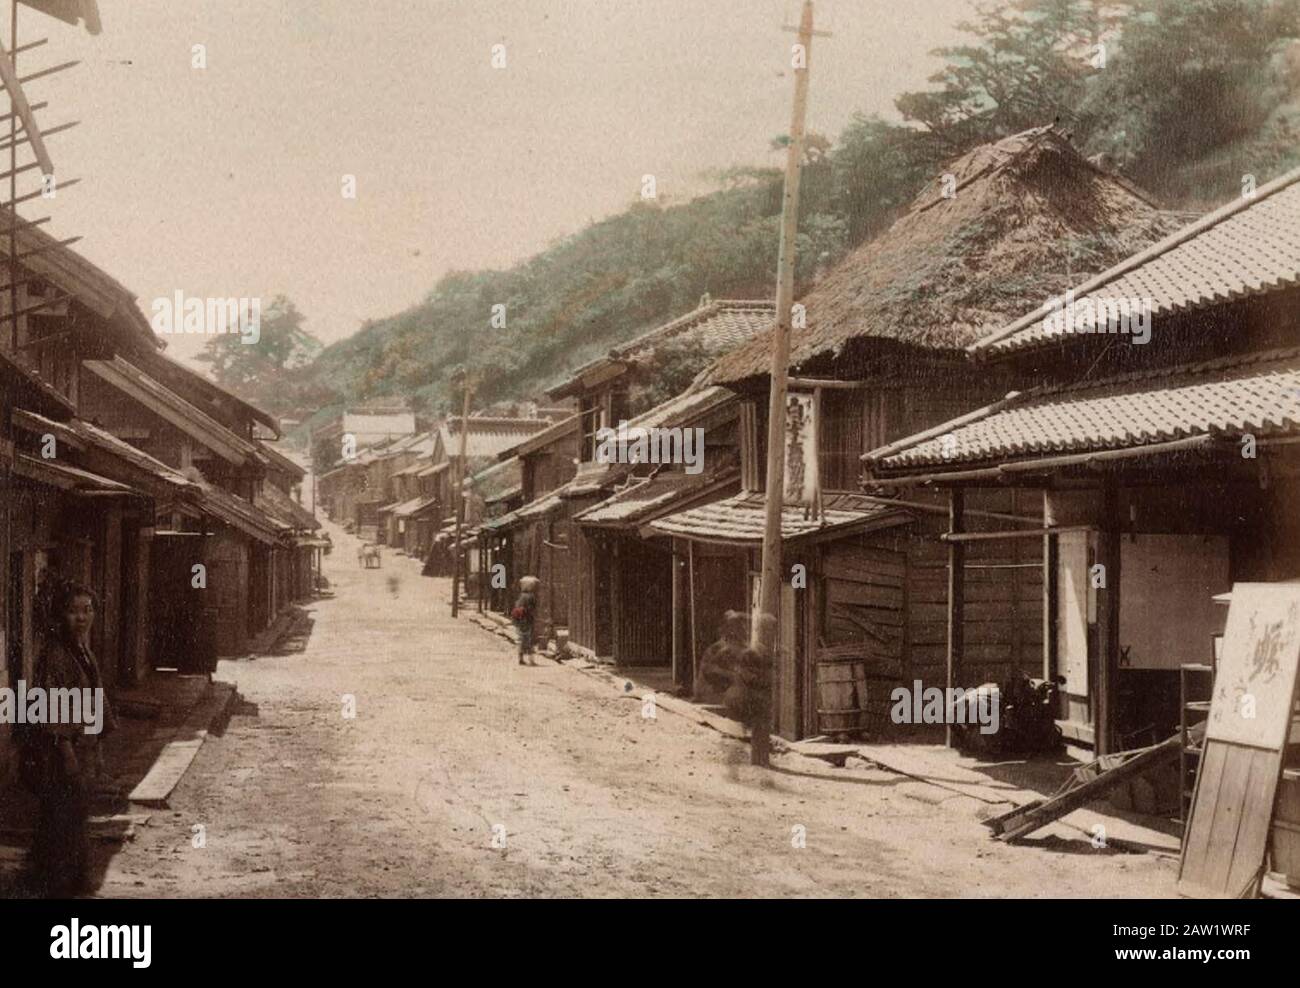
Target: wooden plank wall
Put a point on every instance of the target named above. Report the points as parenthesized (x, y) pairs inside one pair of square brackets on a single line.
[(642, 613), (1004, 596), (588, 589)]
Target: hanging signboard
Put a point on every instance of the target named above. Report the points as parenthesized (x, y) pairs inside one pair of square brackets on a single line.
[(802, 469)]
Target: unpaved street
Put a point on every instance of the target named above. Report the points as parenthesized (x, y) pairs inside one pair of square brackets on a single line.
[(452, 741)]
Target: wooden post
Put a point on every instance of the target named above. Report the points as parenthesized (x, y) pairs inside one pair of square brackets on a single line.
[(1050, 558), (459, 493), (763, 629), (110, 659), (956, 595), (676, 649), (1108, 550)]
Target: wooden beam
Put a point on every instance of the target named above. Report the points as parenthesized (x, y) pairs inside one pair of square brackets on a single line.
[(1026, 819), (1028, 533)]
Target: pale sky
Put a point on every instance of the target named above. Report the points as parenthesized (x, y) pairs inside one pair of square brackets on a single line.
[(227, 181)]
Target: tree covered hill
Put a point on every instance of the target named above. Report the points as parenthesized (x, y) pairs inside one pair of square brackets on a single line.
[(1185, 97)]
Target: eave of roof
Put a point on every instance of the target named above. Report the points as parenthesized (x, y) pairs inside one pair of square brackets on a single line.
[(1257, 393), (1193, 289), (140, 465), (179, 377), (536, 441), (739, 520), (242, 516), (762, 312), (68, 478), (165, 403), (646, 498), (28, 388)]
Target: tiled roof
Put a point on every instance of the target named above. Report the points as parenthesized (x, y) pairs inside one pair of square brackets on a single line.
[(284, 509), (508, 494), (717, 326), (543, 507), (410, 507), (646, 497), (1248, 247), (391, 423), (488, 437), (1257, 394), (281, 462), (240, 514), (739, 520), (552, 433)]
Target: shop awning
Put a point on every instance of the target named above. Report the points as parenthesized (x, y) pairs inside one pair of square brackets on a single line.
[(739, 520), (546, 506), (242, 516), (645, 498), (110, 455), (284, 509), (414, 506), (67, 478)]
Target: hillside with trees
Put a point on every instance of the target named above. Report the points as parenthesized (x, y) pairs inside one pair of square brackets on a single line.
[(1121, 78)]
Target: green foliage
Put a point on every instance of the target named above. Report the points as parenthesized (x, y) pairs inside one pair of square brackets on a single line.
[(276, 372), (1192, 95)]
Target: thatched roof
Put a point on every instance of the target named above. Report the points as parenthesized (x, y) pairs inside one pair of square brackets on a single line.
[(1029, 216)]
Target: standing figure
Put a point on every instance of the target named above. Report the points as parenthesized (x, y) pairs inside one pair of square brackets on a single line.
[(61, 760), (524, 614)]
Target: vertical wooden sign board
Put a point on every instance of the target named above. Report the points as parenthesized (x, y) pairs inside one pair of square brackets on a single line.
[(1245, 742)]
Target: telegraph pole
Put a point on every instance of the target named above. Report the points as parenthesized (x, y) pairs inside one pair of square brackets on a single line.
[(468, 383), (763, 629)]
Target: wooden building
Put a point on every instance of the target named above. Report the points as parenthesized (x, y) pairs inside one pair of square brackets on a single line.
[(620, 388), (1162, 470), (878, 353), (641, 572), (525, 539), (487, 439)]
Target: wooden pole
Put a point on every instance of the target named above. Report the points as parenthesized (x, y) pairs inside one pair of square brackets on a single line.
[(459, 494), (956, 595), (1105, 701), (763, 629)]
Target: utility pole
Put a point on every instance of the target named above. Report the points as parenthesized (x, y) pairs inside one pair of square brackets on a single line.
[(763, 629), (468, 383)]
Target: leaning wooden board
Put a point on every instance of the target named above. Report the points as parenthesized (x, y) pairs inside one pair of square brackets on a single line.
[(1246, 736)]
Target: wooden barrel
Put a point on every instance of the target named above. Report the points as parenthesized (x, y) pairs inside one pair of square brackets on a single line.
[(841, 696), (1286, 828)]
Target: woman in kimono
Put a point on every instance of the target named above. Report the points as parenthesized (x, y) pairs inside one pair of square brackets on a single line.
[(64, 758), (524, 614)]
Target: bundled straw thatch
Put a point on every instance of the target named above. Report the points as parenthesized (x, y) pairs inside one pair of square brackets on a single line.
[(1029, 217)]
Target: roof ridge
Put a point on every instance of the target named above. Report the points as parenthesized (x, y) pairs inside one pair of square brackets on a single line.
[(696, 315), (1158, 249)]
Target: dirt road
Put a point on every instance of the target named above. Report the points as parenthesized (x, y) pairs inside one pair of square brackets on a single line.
[(463, 774)]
